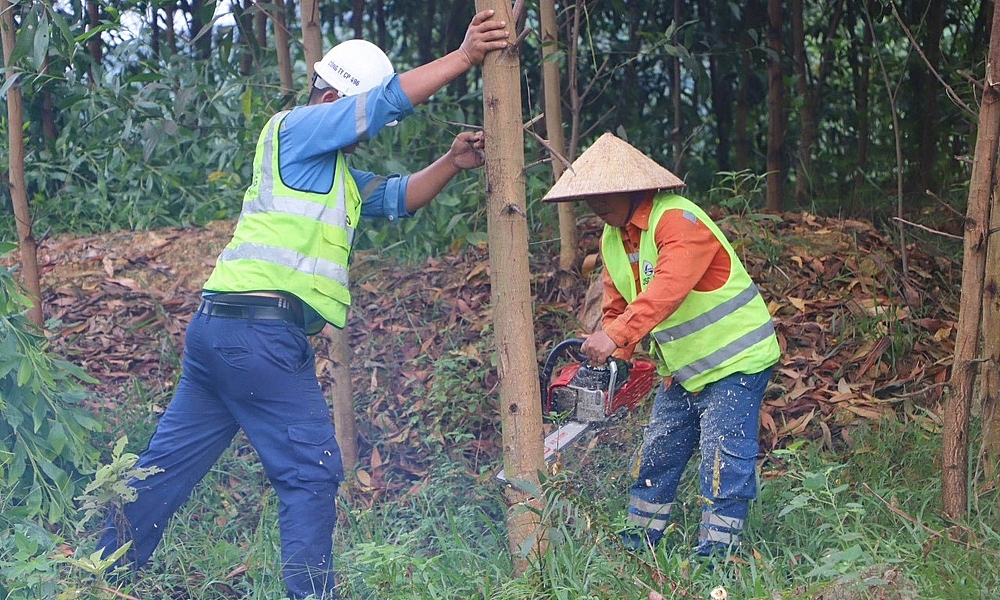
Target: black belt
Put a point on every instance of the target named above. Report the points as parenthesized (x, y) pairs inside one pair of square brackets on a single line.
[(240, 306)]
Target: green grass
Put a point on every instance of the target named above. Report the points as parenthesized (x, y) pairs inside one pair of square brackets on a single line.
[(821, 520)]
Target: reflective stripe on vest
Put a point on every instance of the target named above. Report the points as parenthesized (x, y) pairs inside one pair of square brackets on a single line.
[(711, 334), (291, 240)]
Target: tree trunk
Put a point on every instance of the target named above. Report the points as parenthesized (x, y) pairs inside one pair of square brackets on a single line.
[(312, 35), (244, 21), (507, 223), (154, 26), (775, 108), (982, 193), (170, 11), (344, 419), (720, 90), (926, 92), (742, 120), (677, 130), (281, 42), (357, 18), (803, 170), (568, 239), (989, 456), (18, 190), (260, 28), (861, 63), (93, 22)]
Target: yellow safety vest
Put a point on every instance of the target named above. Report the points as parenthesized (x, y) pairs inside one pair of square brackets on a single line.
[(711, 334), (292, 241)]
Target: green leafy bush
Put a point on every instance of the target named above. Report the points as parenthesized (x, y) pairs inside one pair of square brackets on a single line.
[(43, 428)]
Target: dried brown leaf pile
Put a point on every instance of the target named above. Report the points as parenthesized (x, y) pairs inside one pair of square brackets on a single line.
[(860, 341)]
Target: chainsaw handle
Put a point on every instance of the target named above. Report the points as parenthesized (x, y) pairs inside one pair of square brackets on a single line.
[(557, 352)]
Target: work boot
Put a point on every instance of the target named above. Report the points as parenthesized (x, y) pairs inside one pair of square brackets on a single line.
[(710, 549), (637, 539)]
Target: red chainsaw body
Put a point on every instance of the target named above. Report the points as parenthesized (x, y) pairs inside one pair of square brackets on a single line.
[(594, 406)]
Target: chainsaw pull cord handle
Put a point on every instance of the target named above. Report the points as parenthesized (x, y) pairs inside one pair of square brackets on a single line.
[(550, 363)]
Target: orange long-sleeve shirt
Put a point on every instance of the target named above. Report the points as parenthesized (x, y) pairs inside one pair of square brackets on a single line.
[(689, 257)]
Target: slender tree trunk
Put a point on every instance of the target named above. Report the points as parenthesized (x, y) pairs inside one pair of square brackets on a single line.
[(380, 25), (200, 12), (989, 456), (260, 27), (93, 22), (344, 418), (861, 64), (170, 11), (743, 114), (982, 193), (803, 170), (677, 131), (568, 239), (281, 46), (507, 223), (927, 92), (358, 18), (244, 20), (775, 108), (312, 35), (720, 90), (30, 277), (154, 26)]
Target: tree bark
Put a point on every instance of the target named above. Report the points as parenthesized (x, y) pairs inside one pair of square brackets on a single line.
[(507, 223), (568, 238), (30, 278), (861, 65), (775, 108), (282, 49), (357, 18), (93, 22), (312, 35), (344, 418), (989, 456), (982, 192), (243, 14)]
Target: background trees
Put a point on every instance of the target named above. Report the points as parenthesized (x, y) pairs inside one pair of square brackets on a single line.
[(698, 84)]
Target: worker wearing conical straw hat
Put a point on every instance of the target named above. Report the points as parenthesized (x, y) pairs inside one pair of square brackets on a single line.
[(670, 273)]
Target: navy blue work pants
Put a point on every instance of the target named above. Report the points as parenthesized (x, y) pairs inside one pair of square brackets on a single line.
[(721, 421), (258, 375)]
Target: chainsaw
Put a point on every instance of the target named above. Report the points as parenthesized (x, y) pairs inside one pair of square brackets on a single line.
[(583, 395)]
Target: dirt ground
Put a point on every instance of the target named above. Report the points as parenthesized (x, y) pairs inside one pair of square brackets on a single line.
[(860, 341)]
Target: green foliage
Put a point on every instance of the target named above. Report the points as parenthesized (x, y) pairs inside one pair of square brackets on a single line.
[(111, 483), (43, 429), (27, 569)]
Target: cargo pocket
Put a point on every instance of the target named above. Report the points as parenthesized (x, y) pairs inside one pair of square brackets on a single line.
[(317, 452), (737, 468)]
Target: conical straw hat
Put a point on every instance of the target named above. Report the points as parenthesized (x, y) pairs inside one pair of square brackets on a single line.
[(610, 165)]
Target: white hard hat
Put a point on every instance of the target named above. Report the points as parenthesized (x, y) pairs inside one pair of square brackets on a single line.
[(354, 67)]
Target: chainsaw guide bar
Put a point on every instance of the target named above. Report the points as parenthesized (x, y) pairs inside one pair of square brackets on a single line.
[(582, 394)]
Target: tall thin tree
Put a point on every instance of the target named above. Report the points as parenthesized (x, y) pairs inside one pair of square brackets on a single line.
[(18, 188), (568, 238), (775, 107), (983, 193), (507, 224)]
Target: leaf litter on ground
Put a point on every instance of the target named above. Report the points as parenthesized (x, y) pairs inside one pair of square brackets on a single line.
[(859, 342)]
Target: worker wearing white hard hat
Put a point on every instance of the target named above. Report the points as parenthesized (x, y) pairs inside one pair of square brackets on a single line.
[(352, 67), (247, 362)]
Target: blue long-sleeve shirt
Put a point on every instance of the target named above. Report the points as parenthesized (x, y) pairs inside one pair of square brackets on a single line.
[(311, 136)]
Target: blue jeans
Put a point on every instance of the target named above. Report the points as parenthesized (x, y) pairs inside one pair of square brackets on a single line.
[(258, 375), (722, 421)]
